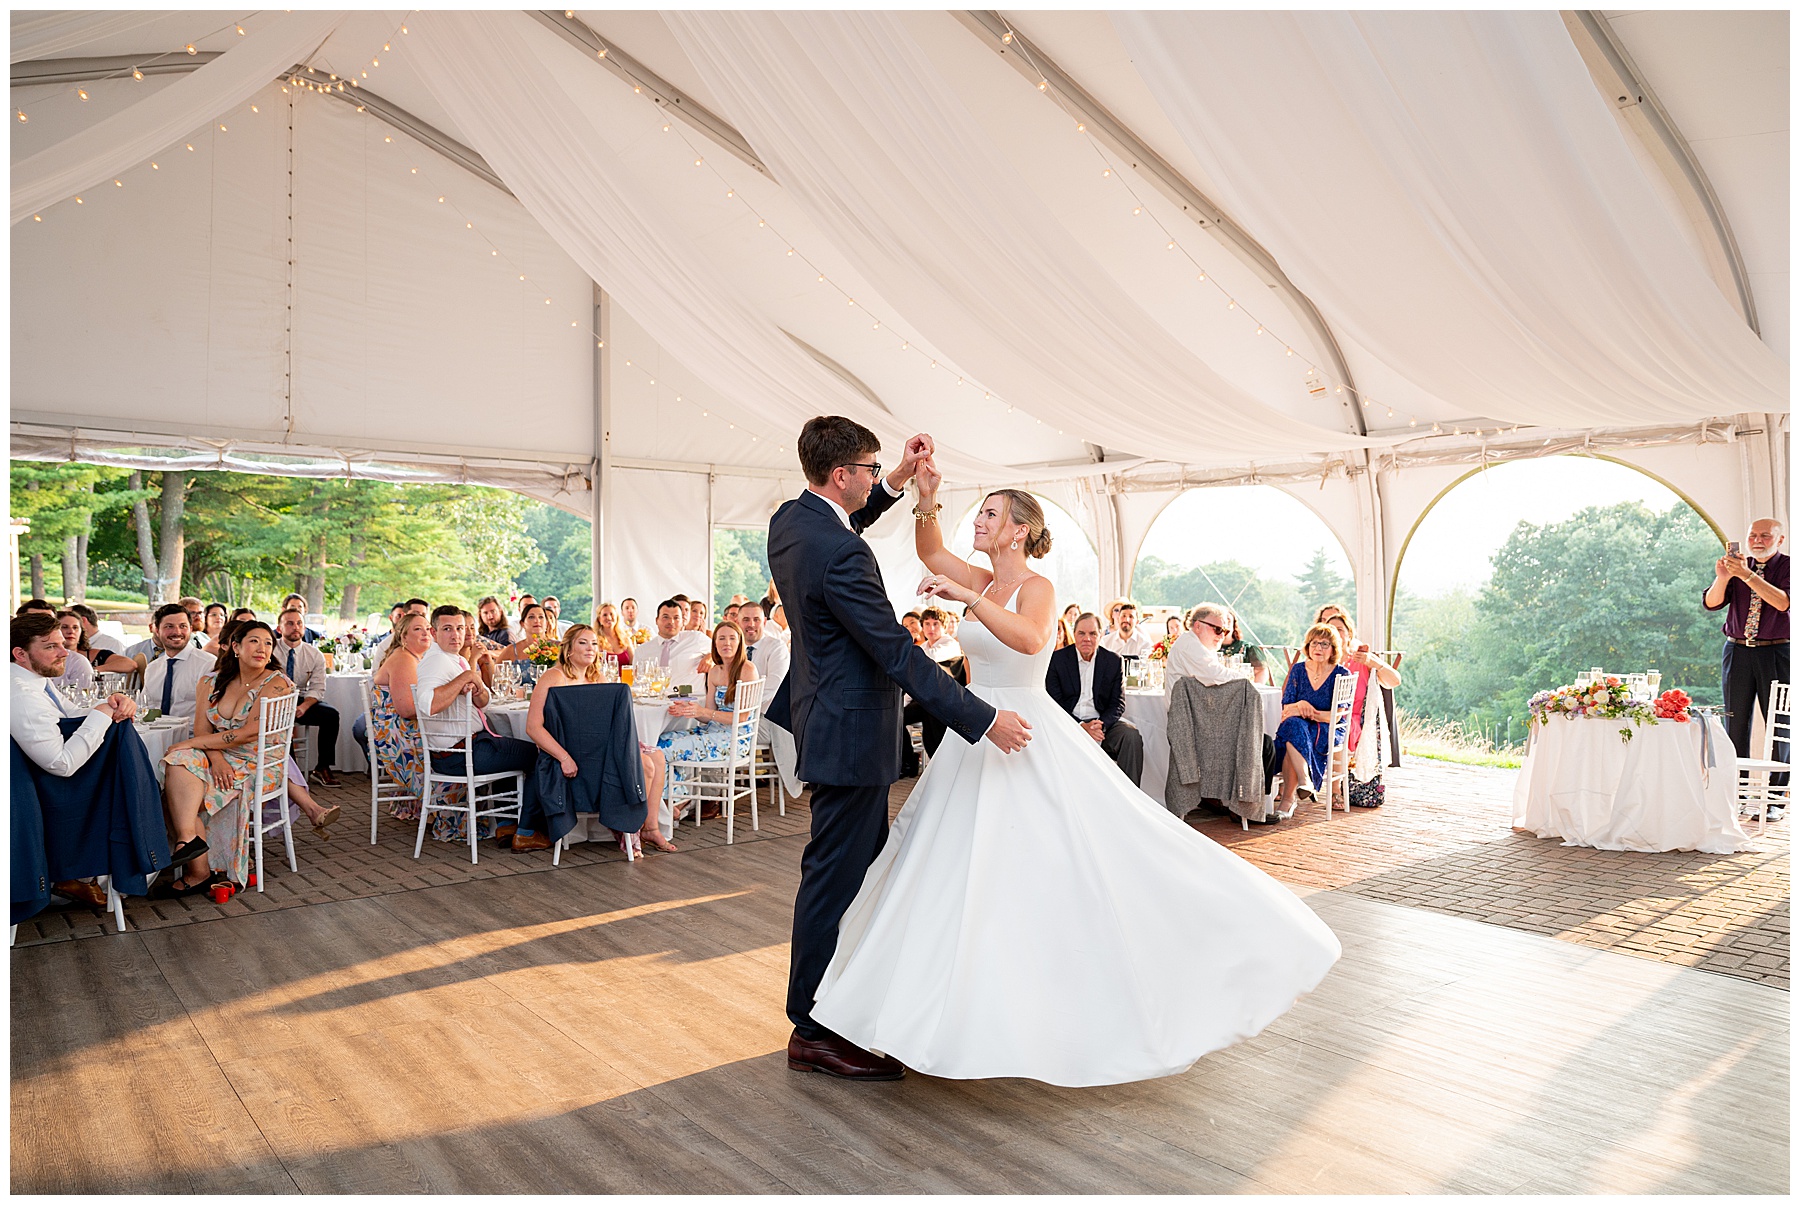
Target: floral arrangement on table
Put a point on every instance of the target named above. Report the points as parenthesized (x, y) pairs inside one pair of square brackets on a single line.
[(640, 635), (543, 651), (1162, 648), (351, 640), (1606, 698)]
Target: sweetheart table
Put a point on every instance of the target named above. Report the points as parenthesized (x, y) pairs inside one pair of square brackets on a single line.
[(1670, 787)]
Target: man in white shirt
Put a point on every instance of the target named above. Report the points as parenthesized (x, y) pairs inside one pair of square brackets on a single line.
[(90, 624), (1126, 640), (553, 608), (443, 676), (672, 646), (39, 655), (771, 656), (939, 645), (172, 681), (1196, 652), (304, 665)]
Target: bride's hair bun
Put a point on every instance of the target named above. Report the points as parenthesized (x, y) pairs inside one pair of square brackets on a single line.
[(1021, 507)]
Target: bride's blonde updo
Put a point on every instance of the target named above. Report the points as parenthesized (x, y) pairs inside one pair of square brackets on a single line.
[(1021, 507)]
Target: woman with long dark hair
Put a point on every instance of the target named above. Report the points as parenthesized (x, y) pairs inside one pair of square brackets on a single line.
[(206, 776)]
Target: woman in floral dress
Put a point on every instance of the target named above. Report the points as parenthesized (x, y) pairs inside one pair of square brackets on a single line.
[(726, 666), (206, 775)]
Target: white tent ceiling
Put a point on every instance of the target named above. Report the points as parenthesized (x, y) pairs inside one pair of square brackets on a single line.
[(159, 311)]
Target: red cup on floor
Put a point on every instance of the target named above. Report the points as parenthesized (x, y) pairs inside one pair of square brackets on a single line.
[(222, 892)]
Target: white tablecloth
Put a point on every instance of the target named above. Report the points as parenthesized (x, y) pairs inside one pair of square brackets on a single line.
[(159, 736), (344, 692), (1149, 710), (1583, 783)]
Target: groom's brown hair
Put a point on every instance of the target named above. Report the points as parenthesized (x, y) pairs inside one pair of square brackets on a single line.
[(831, 440)]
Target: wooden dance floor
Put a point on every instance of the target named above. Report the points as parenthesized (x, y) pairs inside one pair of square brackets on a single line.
[(618, 1028)]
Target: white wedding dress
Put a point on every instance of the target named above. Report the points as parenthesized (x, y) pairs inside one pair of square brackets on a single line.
[(1037, 915)]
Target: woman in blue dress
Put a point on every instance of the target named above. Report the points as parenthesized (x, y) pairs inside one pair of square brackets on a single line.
[(1303, 742), (725, 667)]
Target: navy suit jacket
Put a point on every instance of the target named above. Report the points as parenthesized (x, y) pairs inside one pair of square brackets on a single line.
[(1063, 681), (851, 657)]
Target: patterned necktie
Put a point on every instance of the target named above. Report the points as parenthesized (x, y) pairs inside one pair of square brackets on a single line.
[(1753, 617), (168, 684), (290, 665), (750, 653)]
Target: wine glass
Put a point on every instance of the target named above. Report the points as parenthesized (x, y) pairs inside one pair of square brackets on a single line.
[(1654, 678)]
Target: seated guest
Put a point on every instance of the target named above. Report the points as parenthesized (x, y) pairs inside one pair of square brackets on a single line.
[(1236, 646), (1065, 632), (35, 604), (678, 650), (297, 602), (614, 639), (476, 651), (525, 600), (1196, 654), (1172, 626), (394, 614), (244, 613), (304, 666), (914, 623), (39, 653), (534, 624), (216, 615), (78, 670), (172, 681), (1126, 640), (628, 617), (491, 624), (1365, 712), (394, 739), (1112, 617), (553, 612), (697, 617), (1069, 615), (939, 645), (1303, 742), (443, 676), (952, 621), (1088, 682), (726, 665), (731, 613), (770, 655), (101, 644), (580, 664), (196, 613), (209, 774)]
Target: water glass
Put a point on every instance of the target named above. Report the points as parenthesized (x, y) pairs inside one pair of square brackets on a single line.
[(1654, 678)]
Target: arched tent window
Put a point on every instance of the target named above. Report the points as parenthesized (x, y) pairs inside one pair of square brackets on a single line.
[(1523, 574), (1073, 565), (1257, 549)]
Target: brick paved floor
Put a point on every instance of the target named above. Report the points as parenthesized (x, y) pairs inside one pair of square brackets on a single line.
[(1443, 843)]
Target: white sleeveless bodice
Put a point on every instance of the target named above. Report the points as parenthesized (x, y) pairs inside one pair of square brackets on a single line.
[(992, 665)]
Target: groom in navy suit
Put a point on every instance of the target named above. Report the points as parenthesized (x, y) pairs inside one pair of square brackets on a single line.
[(842, 702)]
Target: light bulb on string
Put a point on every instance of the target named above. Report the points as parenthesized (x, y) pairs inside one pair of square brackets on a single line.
[(191, 48), (82, 93), (22, 118), (136, 74)]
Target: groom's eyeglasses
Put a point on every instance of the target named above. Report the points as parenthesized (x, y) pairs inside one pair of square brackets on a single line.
[(874, 468)]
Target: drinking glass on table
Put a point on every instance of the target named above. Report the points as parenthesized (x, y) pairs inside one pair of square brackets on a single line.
[(626, 675), (1654, 678)]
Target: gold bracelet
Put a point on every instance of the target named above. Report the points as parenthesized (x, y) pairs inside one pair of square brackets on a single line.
[(927, 516)]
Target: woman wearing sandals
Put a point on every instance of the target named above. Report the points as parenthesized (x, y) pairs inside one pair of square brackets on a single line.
[(208, 773), (579, 664)]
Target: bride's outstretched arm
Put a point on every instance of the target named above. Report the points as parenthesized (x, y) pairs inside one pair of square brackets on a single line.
[(1026, 630), (928, 535)]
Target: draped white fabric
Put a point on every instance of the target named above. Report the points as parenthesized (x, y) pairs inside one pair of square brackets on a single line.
[(127, 138), (856, 123), (45, 35), (1451, 191), (488, 72)]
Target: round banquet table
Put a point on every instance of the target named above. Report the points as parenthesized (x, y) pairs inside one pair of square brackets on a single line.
[(344, 693), (1584, 783), (1149, 710)]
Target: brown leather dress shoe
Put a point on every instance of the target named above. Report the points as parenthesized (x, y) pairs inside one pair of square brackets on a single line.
[(835, 1056), (526, 842), (81, 892)]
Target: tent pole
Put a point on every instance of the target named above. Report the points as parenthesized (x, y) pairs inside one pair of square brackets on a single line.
[(599, 500)]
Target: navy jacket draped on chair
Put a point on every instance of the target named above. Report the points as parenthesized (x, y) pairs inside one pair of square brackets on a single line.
[(594, 723)]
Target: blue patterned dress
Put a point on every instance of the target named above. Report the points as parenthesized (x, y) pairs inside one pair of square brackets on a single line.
[(711, 741), (395, 740)]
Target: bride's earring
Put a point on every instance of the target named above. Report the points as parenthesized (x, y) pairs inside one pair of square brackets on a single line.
[(1015, 544)]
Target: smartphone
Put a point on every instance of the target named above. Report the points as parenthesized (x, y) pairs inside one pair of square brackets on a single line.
[(1732, 548)]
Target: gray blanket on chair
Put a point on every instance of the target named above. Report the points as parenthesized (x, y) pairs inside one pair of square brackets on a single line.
[(1215, 747)]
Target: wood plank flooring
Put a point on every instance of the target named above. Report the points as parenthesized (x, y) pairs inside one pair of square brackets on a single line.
[(618, 1028)]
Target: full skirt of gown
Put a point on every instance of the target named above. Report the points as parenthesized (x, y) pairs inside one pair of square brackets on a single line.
[(1036, 915)]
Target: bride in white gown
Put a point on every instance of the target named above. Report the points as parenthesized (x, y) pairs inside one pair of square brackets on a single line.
[(1035, 914)]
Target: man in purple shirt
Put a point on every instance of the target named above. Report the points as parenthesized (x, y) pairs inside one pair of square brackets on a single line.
[(1753, 590)]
